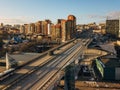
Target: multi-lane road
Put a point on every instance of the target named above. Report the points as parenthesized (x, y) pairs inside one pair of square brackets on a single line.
[(45, 71)]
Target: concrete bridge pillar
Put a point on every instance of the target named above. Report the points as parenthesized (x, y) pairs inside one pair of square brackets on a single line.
[(70, 77)]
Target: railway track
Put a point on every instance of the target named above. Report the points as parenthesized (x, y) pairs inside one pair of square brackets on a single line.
[(49, 74), (48, 71), (29, 72)]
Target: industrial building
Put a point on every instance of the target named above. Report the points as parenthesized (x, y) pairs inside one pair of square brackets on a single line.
[(109, 69)]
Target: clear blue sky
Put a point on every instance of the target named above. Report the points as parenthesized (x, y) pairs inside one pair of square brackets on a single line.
[(86, 11)]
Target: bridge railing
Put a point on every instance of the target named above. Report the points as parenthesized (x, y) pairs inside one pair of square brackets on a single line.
[(50, 52)]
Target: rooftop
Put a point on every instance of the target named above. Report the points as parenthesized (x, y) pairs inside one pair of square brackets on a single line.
[(111, 62)]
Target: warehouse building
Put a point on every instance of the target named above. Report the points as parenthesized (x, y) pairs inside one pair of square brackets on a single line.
[(109, 69)]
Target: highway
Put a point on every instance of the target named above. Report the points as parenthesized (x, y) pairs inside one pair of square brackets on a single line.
[(44, 71)]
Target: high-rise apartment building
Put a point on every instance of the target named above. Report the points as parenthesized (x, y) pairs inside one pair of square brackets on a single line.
[(26, 28), (71, 26), (1, 25), (22, 29), (113, 27), (31, 28), (68, 28), (59, 21), (53, 32), (64, 30), (58, 30), (38, 27), (46, 27)]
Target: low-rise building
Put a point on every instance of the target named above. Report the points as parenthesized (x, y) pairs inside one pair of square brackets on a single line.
[(109, 68)]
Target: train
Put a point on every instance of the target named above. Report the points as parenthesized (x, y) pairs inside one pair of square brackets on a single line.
[(6, 73)]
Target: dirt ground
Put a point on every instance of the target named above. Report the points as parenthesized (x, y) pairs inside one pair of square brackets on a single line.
[(93, 85)]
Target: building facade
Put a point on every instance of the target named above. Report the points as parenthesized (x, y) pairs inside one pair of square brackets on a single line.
[(58, 30), (53, 32), (113, 27), (38, 27), (22, 29), (108, 68), (46, 27), (63, 30)]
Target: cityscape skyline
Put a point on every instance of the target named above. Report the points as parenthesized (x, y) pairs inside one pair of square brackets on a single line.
[(21, 12)]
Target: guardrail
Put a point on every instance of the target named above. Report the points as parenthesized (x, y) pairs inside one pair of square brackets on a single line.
[(50, 52)]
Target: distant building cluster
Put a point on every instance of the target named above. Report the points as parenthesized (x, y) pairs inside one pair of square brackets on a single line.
[(97, 28), (64, 29), (93, 26)]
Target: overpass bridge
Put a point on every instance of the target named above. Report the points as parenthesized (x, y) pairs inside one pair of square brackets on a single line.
[(45, 72)]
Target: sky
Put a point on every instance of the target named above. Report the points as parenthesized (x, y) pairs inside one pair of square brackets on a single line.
[(86, 11)]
